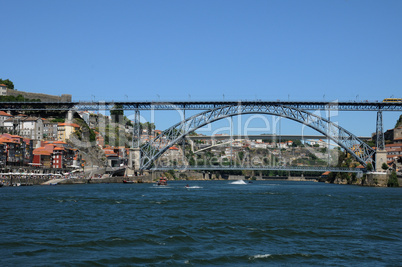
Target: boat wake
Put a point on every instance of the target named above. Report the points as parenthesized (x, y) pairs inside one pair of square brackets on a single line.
[(238, 182)]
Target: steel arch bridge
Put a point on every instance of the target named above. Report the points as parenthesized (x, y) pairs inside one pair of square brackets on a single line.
[(152, 150)]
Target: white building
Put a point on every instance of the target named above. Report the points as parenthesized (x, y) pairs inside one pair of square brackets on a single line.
[(49, 130), (260, 145), (320, 143), (3, 117), (3, 89), (28, 127), (32, 128)]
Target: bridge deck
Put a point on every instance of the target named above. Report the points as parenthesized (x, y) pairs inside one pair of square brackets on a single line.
[(199, 105)]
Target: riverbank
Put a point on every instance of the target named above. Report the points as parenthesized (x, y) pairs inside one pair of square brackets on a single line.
[(153, 178), (371, 179)]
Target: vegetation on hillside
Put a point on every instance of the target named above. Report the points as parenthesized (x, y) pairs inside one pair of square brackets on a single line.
[(19, 98), (84, 133), (8, 83), (393, 180)]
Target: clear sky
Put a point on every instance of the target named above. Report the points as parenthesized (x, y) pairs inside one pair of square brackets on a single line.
[(205, 50)]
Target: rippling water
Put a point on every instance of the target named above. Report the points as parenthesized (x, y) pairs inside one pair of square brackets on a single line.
[(210, 223)]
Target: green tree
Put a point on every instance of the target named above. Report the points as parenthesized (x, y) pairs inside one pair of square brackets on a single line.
[(370, 143), (297, 143), (8, 83), (19, 98), (127, 121), (191, 161), (393, 180), (369, 167), (384, 166)]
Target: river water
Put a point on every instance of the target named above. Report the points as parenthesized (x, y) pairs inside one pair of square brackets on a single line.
[(211, 223)]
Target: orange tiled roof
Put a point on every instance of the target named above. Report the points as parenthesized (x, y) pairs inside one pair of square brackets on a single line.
[(7, 140), (69, 124), (31, 119), (2, 113), (42, 151)]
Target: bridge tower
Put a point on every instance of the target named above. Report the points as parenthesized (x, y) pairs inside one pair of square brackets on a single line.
[(135, 153), (381, 153)]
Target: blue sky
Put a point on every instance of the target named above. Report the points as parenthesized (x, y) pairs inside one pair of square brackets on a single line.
[(206, 50)]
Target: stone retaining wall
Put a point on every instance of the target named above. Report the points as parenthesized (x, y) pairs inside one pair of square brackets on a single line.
[(42, 97)]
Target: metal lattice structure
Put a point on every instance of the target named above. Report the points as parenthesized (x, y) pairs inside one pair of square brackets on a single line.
[(379, 132), (199, 105), (152, 150)]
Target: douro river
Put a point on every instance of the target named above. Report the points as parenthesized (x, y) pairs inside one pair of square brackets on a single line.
[(208, 223)]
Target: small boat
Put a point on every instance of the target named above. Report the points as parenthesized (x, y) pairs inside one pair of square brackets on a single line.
[(162, 181), (127, 182)]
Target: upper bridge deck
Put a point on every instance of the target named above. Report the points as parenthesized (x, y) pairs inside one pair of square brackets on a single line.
[(198, 105)]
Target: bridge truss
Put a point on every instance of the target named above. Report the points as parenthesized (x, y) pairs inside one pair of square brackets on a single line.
[(152, 150), (198, 105)]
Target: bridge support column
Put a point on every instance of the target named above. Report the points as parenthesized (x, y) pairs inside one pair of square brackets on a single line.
[(380, 132), (134, 160), (136, 130), (380, 159), (191, 142), (70, 116), (381, 153)]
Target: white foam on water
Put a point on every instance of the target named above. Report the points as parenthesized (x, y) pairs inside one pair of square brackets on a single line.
[(258, 256), (194, 187), (238, 182)]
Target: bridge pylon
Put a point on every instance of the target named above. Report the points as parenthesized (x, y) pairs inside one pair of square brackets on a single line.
[(381, 153), (134, 160)]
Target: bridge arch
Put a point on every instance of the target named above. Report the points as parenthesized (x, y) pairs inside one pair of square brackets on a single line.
[(152, 150)]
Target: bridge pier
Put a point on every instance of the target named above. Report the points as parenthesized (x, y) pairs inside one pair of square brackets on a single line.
[(70, 116), (381, 153), (191, 142), (380, 158), (134, 161)]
